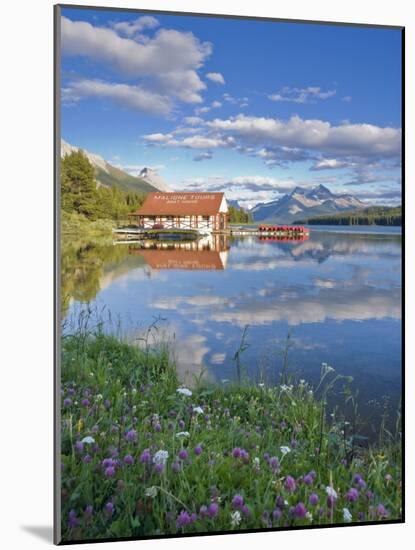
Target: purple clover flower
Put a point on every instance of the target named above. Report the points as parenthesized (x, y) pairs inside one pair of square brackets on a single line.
[(280, 502), (236, 453), (108, 462), (67, 402), (110, 471), (276, 514), (361, 484), (72, 520), (352, 495), (109, 509), (213, 510), (313, 499), (381, 511), (244, 456), (183, 519), (183, 454), (145, 457), (198, 450), (176, 467), (300, 510), (274, 463), (290, 484), (129, 460), (331, 501), (159, 468), (245, 510), (131, 435), (237, 501), (79, 446), (308, 479)]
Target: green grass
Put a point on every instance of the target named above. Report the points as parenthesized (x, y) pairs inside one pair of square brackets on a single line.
[(125, 398), (75, 225)]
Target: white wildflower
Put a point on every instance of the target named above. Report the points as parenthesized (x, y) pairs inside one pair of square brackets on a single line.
[(183, 434), (261, 385), (98, 397), (285, 450), (284, 387), (326, 368), (347, 516), (235, 518), (88, 439), (309, 516), (198, 410), (184, 391), (151, 492), (225, 380), (160, 457), (331, 492)]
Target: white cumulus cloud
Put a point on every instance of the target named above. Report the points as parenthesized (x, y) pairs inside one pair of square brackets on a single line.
[(360, 140), (169, 60), (302, 95), (131, 28), (216, 77), (134, 97)]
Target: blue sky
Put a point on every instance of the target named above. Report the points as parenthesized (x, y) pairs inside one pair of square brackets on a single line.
[(249, 107)]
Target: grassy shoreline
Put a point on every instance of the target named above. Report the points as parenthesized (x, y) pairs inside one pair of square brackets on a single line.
[(143, 456), (76, 226)]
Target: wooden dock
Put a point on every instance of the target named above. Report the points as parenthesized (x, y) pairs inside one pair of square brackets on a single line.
[(289, 232)]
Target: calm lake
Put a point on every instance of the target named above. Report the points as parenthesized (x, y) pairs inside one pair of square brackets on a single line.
[(336, 295)]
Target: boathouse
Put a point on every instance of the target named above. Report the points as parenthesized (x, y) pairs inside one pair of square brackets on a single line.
[(200, 211)]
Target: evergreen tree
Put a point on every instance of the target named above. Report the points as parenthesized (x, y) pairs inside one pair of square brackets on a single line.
[(78, 186), (80, 194)]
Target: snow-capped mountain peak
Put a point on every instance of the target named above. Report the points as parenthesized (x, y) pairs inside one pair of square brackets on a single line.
[(305, 202), (153, 178)]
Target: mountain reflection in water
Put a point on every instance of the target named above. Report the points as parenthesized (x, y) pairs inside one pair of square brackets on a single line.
[(339, 296)]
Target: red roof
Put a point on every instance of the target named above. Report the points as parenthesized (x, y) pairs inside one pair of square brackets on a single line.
[(180, 204), (204, 260)]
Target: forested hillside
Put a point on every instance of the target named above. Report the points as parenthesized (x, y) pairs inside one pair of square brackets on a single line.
[(373, 215)]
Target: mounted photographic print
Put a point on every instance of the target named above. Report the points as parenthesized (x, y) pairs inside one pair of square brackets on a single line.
[(229, 345)]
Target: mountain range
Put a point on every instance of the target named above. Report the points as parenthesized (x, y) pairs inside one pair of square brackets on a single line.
[(301, 203), (305, 202), (108, 175)]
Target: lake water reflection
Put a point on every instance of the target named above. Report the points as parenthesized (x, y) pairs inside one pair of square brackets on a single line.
[(338, 296)]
